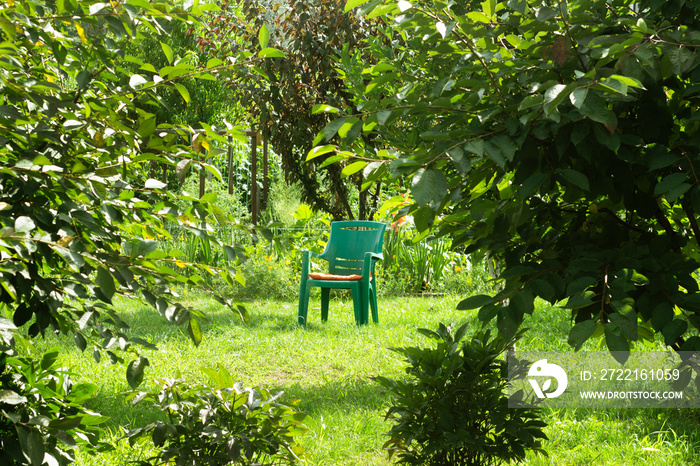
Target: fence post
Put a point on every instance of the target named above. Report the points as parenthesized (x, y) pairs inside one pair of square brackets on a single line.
[(266, 184), (255, 206)]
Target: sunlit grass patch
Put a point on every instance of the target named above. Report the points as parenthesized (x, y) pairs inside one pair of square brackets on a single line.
[(329, 367)]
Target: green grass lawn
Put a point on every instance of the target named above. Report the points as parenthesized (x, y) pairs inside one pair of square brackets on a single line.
[(329, 367)]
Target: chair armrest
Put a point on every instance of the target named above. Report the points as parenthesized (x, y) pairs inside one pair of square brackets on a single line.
[(306, 256), (375, 256), (368, 264)]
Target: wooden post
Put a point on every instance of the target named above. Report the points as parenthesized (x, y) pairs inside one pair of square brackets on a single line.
[(255, 206), (230, 164), (266, 184)]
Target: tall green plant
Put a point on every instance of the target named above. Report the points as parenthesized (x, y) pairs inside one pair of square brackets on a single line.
[(423, 261)]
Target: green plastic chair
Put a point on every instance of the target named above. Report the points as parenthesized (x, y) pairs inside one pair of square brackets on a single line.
[(352, 251)]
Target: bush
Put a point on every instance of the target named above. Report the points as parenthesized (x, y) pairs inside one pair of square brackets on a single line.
[(268, 275), (42, 418), (453, 410), (224, 426)]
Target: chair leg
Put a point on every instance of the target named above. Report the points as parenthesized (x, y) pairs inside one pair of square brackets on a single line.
[(325, 299), (357, 305), (373, 302), (366, 296), (304, 305)]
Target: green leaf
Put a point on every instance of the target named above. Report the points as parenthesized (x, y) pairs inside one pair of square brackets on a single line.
[(152, 183), (144, 247), (669, 183), (323, 108), (49, 359), (578, 96), (183, 92), (596, 109), (616, 343), (8, 28), (195, 331), (475, 146), (681, 58), (580, 333), (137, 81), (532, 184), (147, 126), (24, 224), (270, 53), (576, 178), (168, 52), (83, 392), (506, 322), (334, 158), (354, 4), (626, 319), (579, 285), (478, 17), (320, 150), (263, 36), (494, 153), (135, 371), (555, 95), (35, 448), (428, 186), (97, 7), (331, 129), (83, 79), (531, 101), (105, 283), (383, 116), (353, 168), (474, 302), (66, 423), (488, 312), (673, 330), (522, 303), (11, 397), (506, 145)]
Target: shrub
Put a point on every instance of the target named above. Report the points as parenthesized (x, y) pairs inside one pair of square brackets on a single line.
[(452, 410), (42, 418), (223, 426), (268, 275)]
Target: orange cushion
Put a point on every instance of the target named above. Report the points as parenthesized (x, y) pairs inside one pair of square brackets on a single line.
[(329, 276)]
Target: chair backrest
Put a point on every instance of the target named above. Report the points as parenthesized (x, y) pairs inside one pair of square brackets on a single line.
[(348, 243)]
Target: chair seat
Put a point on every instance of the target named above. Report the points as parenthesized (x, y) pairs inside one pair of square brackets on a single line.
[(338, 278)]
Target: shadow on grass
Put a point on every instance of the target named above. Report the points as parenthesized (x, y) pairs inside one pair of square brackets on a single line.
[(345, 395), (217, 317), (341, 395), (145, 322)]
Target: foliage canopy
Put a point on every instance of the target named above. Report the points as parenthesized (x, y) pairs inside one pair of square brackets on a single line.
[(80, 214), (280, 91), (561, 138)]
